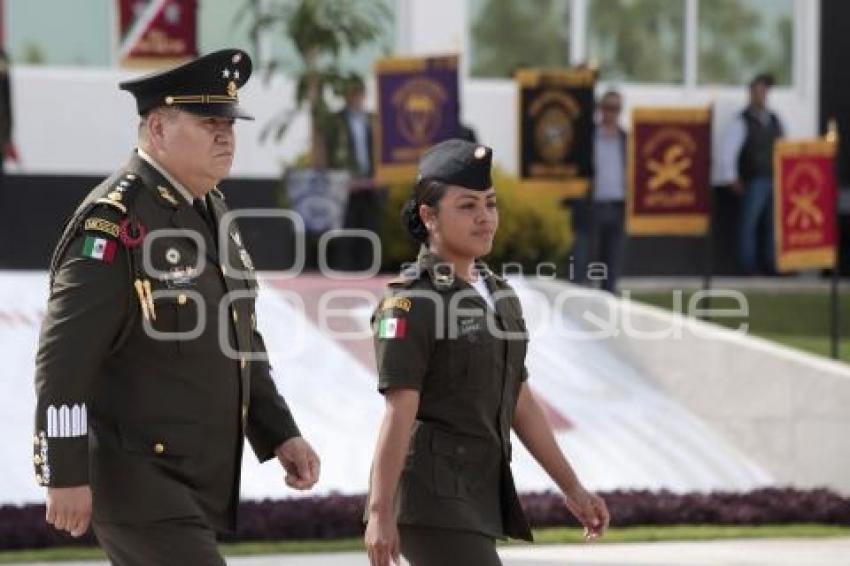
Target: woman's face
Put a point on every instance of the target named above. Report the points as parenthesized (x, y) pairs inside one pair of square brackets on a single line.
[(463, 223)]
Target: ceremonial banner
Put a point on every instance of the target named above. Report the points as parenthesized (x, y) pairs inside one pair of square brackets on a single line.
[(669, 162), (418, 105), (157, 32), (555, 129), (804, 204)]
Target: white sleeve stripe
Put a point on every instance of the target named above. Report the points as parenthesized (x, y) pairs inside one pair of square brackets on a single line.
[(66, 422)]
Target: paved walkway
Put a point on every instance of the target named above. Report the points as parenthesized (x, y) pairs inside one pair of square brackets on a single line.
[(774, 552)]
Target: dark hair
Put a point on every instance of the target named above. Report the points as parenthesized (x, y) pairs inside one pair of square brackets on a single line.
[(428, 192)]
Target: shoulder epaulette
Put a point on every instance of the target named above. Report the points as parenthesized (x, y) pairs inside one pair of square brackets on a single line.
[(122, 194)]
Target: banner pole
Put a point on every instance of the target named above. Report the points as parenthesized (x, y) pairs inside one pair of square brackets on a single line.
[(708, 250), (836, 313), (835, 299)]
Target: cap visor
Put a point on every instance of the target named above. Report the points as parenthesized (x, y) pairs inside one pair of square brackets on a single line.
[(223, 110)]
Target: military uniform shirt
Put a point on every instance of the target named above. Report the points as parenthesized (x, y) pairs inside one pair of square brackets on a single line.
[(437, 335)]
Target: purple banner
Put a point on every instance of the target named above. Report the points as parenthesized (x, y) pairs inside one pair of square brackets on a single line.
[(418, 106)]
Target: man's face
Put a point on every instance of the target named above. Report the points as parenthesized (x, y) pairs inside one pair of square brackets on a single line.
[(758, 94), (355, 98), (198, 149), (610, 107)]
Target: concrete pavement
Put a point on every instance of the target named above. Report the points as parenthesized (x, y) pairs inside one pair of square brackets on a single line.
[(764, 552)]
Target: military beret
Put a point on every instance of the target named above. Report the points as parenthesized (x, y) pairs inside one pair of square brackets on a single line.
[(206, 86), (458, 162)]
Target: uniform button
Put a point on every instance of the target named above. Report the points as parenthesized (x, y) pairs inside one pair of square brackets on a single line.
[(461, 450), (181, 299), (243, 363), (36, 460), (159, 448), (235, 316)]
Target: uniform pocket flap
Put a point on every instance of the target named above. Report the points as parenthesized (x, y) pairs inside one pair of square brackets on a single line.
[(463, 447), (162, 439)]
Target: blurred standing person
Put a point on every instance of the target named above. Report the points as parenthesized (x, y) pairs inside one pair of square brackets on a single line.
[(450, 347), (747, 167), (6, 147), (599, 218), (349, 147)]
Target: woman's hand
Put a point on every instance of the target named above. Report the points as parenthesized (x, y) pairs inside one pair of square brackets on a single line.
[(589, 509), (382, 542)]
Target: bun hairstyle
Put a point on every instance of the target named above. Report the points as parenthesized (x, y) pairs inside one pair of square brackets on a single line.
[(428, 192)]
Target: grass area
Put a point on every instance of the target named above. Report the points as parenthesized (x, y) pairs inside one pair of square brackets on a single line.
[(797, 319), (542, 536)]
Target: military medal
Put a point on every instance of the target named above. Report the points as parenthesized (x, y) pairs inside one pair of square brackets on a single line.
[(131, 233)]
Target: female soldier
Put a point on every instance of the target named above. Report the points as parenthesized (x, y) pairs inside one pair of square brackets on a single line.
[(450, 346)]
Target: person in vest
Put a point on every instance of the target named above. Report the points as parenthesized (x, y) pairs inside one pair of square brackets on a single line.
[(450, 345), (747, 167), (150, 369), (599, 219)]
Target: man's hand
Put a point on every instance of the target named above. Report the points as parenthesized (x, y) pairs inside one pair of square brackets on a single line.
[(590, 510), (69, 509), (300, 462)]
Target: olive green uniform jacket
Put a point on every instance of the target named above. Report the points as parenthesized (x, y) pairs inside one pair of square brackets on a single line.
[(146, 397), (434, 333)]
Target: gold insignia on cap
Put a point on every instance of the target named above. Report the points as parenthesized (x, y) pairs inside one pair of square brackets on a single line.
[(231, 88), (236, 58), (480, 152), (169, 100), (114, 195)]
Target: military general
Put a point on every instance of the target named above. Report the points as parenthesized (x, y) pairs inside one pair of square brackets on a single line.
[(150, 370)]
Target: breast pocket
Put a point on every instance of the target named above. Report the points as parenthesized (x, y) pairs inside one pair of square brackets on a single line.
[(471, 364)]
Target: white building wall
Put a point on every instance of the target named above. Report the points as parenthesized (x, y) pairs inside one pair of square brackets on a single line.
[(76, 121)]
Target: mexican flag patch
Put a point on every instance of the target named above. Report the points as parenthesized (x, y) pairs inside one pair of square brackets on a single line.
[(390, 328), (99, 248)]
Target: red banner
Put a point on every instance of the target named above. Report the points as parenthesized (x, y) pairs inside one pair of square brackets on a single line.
[(157, 32), (669, 171), (804, 204)]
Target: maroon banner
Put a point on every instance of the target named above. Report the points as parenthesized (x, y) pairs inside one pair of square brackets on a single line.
[(669, 168), (805, 204), (157, 32)]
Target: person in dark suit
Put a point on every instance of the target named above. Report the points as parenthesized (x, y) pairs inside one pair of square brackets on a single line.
[(150, 369), (599, 218), (349, 147), (5, 112), (450, 347)]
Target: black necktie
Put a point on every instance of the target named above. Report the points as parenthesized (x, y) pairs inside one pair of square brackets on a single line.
[(201, 208)]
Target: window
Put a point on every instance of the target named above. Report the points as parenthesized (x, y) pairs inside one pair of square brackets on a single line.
[(47, 32), (740, 38), (637, 40), (220, 27), (506, 35)]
